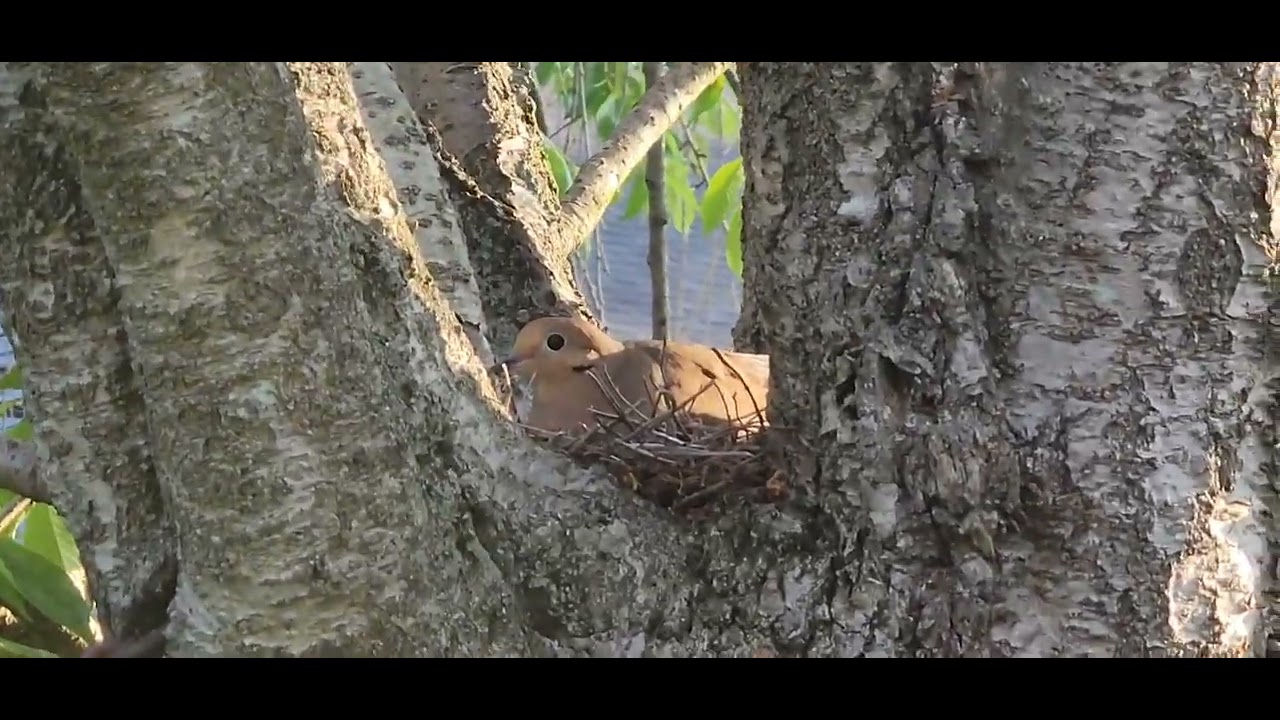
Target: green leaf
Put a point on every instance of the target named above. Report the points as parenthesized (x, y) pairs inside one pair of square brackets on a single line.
[(630, 89), (597, 73), (607, 117), (22, 431), (6, 405), (671, 146), (561, 170), (597, 84), (723, 122), (699, 145), (682, 203), (635, 90), (677, 168), (721, 192), (733, 243), (620, 72), (563, 80), (545, 71), (9, 648), (9, 595), (730, 122), (48, 589), (12, 379), (707, 100), (638, 195), (46, 533)]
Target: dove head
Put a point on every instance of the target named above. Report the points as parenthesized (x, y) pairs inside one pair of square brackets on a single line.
[(554, 345)]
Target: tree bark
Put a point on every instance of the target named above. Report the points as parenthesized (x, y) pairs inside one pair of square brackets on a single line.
[(507, 198), (225, 381), (404, 152), (1034, 394), (265, 425), (654, 177)]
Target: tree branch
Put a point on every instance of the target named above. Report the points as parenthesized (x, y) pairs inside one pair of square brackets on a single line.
[(601, 176), (654, 177), (406, 156), (491, 154)]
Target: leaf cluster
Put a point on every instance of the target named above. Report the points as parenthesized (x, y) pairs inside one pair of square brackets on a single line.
[(597, 96)]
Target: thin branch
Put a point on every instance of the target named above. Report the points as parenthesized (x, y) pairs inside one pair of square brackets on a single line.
[(698, 158), (700, 165), (602, 175), (11, 512), (563, 126), (654, 172)]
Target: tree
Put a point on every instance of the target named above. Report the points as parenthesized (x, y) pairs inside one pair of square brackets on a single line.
[(1033, 414), (1027, 422)]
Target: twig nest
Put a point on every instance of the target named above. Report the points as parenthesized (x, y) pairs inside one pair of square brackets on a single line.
[(677, 461)]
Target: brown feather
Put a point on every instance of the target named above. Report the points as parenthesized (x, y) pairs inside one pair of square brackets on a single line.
[(564, 393)]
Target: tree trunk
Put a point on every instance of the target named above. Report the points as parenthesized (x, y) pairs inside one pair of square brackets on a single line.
[(507, 198), (264, 424), (214, 363), (1034, 389)]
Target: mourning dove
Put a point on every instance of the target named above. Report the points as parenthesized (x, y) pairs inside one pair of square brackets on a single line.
[(555, 354)]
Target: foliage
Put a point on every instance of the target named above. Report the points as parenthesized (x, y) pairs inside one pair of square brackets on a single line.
[(597, 96), (38, 557)]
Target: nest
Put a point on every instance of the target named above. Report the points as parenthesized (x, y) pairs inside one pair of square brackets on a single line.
[(674, 458)]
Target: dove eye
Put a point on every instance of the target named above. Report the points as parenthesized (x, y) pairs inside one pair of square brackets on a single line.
[(555, 341)]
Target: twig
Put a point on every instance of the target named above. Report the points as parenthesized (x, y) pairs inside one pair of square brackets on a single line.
[(758, 411), (599, 178), (733, 429), (699, 159), (698, 452), (658, 419), (705, 182), (699, 495), (649, 454), (512, 407), (664, 393), (12, 510), (586, 437), (614, 395), (563, 126)]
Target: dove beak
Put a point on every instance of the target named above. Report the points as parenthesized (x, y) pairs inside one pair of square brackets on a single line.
[(511, 363)]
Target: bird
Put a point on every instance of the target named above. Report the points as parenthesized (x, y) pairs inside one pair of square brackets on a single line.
[(568, 363)]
